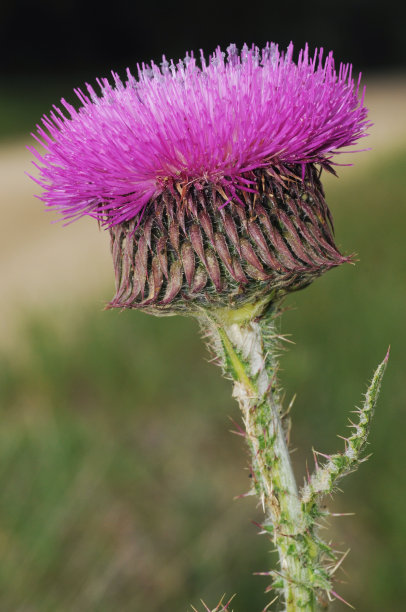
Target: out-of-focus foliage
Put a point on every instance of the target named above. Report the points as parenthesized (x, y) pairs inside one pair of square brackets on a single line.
[(117, 466)]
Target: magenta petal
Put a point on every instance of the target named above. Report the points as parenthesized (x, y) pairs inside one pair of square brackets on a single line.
[(195, 122)]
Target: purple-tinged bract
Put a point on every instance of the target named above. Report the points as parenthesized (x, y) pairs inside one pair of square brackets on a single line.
[(196, 123)]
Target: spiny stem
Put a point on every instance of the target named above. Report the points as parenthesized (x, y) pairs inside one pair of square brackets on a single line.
[(248, 357), (245, 344)]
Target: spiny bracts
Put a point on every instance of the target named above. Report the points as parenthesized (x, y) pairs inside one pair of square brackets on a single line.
[(197, 253)]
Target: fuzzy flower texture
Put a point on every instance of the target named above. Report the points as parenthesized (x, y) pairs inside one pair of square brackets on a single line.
[(187, 124), (207, 175)]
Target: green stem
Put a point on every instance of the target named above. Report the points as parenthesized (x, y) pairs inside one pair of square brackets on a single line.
[(247, 350), (245, 342)]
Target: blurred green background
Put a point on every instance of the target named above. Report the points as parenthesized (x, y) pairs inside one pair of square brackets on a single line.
[(117, 466)]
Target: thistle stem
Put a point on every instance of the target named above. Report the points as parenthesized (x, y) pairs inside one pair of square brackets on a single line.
[(246, 342), (248, 355)]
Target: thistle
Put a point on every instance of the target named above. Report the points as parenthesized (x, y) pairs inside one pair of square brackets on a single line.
[(207, 174)]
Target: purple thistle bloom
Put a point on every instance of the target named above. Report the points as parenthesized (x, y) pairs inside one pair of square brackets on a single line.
[(182, 125), (207, 176)]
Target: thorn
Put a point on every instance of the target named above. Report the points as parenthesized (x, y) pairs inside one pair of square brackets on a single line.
[(284, 338), (270, 603), (343, 600), (328, 457), (387, 355), (292, 401), (335, 514), (289, 408), (239, 431), (316, 463), (223, 608), (227, 604), (320, 526), (248, 494), (257, 524), (337, 565)]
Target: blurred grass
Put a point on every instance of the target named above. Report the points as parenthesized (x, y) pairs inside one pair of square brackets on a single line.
[(117, 466)]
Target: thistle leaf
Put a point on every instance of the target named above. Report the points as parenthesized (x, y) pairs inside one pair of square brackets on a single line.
[(335, 467)]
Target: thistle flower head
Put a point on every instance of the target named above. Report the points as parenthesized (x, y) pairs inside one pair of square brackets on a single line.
[(205, 171)]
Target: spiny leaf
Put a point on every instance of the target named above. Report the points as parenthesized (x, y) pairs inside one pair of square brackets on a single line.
[(336, 466)]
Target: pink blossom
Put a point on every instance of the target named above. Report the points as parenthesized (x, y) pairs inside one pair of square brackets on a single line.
[(195, 123)]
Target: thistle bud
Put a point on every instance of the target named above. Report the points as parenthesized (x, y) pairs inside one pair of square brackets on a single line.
[(207, 174)]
